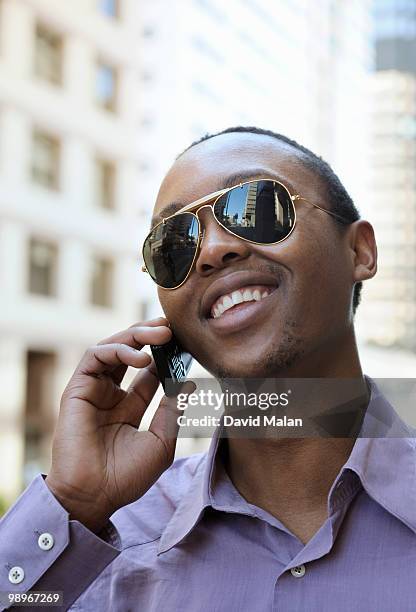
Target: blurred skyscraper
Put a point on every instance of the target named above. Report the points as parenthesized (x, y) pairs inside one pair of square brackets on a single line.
[(294, 66), (96, 99), (390, 307)]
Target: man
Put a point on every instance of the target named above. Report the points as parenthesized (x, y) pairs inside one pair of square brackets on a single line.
[(283, 523)]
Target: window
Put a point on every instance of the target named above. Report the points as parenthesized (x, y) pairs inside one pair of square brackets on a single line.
[(106, 86), (105, 175), (144, 166), (48, 55), (42, 267), (147, 121), (148, 32), (101, 282), (45, 160), (109, 7), (39, 412), (146, 76)]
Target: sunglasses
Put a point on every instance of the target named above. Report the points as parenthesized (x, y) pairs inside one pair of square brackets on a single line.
[(259, 211)]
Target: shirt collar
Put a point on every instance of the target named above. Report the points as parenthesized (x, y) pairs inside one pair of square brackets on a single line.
[(194, 501), (383, 457)]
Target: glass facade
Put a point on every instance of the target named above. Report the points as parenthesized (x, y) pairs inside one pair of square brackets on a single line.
[(108, 7)]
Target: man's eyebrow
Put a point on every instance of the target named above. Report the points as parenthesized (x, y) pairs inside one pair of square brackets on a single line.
[(166, 211), (239, 177), (230, 180)]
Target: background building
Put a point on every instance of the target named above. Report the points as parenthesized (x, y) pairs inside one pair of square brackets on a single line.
[(390, 310), (69, 226)]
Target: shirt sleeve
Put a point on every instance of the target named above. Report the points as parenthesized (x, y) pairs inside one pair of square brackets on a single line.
[(42, 550)]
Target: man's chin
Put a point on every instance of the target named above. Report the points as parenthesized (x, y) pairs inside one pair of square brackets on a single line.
[(272, 364)]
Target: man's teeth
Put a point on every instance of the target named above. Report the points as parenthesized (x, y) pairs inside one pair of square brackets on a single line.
[(227, 301)]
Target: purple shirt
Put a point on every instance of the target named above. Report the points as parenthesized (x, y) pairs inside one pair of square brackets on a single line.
[(193, 544)]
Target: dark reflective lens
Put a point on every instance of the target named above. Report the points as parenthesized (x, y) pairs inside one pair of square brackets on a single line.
[(169, 250), (261, 211)]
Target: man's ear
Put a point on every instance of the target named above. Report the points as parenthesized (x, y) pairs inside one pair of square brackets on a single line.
[(363, 247)]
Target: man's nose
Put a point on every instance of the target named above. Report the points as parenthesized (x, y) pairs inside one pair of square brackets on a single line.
[(218, 247)]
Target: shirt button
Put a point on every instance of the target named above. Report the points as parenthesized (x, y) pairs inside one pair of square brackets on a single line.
[(16, 574), (298, 571), (45, 541)]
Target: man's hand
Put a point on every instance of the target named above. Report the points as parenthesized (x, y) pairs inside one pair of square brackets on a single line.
[(100, 462)]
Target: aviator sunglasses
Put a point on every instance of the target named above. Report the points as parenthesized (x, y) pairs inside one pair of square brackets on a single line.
[(260, 211)]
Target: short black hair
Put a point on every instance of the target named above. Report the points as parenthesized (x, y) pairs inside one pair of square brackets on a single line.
[(340, 200)]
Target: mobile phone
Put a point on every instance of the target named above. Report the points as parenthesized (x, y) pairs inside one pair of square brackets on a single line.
[(172, 363)]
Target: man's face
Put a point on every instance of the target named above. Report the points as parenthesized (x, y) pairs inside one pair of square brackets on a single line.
[(308, 276)]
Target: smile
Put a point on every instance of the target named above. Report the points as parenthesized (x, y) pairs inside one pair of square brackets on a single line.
[(229, 301), (247, 313)]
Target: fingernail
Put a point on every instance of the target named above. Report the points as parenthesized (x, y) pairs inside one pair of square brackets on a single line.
[(189, 387)]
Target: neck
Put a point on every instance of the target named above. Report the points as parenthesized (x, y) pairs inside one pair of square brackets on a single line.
[(291, 477)]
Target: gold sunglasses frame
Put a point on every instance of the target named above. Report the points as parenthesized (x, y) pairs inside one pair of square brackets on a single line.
[(213, 198)]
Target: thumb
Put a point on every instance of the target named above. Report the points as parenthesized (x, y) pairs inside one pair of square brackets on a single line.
[(165, 423)]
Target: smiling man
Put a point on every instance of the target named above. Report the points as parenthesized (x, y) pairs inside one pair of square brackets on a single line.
[(261, 281)]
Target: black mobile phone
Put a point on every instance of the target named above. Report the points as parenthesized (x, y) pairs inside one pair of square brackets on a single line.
[(172, 363)]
